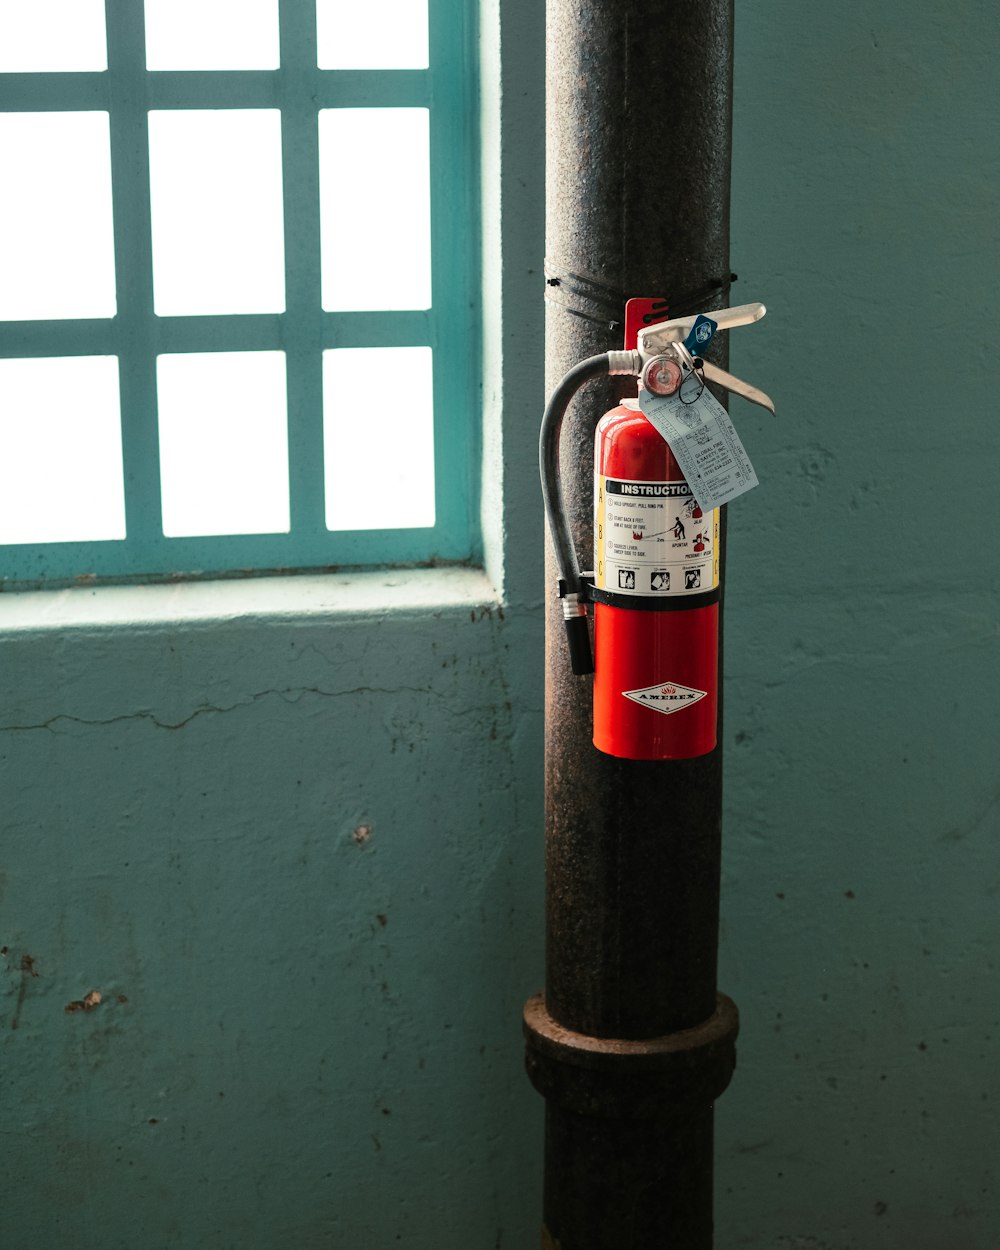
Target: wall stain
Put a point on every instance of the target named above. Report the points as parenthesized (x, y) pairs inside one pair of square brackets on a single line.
[(486, 612), (28, 970)]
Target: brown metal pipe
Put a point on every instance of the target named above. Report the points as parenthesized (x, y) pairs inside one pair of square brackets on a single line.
[(639, 98)]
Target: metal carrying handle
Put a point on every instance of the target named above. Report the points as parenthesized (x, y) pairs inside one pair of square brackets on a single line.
[(653, 339)]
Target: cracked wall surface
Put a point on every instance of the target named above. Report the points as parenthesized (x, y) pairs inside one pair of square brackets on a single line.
[(214, 985)]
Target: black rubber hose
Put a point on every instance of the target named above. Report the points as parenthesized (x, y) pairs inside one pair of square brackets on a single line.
[(548, 466)]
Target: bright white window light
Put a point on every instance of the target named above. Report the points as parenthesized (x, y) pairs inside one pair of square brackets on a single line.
[(374, 186), (215, 192), (350, 38), (211, 34), (60, 450), (378, 437), (223, 443), (57, 252), (54, 36)]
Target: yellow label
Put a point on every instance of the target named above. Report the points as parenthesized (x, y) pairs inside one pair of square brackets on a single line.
[(652, 539), (599, 524), (716, 547)]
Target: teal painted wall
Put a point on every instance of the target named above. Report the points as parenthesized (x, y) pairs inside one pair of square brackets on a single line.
[(294, 841), (299, 863), (861, 910)]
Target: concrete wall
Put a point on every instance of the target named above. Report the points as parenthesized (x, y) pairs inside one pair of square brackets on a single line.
[(297, 858), (290, 833), (862, 926)]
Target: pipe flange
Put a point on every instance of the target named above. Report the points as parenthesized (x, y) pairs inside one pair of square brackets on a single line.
[(615, 1078)]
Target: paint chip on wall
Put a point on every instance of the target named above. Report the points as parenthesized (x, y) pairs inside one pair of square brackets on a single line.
[(88, 1003)]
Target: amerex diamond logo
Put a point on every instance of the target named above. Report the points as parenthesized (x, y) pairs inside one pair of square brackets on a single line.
[(666, 697)]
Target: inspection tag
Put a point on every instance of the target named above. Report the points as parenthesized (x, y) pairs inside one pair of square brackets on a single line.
[(705, 444)]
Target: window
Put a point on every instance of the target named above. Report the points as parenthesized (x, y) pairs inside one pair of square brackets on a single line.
[(238, 275)]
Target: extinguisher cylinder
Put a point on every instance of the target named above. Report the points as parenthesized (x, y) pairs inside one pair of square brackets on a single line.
[(657, 587), (656, 691)]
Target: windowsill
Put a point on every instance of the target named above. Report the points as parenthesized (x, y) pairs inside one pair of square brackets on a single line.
[(341, 595)]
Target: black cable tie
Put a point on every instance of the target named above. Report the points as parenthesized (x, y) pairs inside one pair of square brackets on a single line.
[(555, 277), (565, 282), (658, 309), (693, 300), (610, 322)]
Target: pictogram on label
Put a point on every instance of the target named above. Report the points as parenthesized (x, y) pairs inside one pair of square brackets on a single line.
[(666, 697), (653, 538)]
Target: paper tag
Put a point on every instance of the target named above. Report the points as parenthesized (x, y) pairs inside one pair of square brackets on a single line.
[(705, 444)]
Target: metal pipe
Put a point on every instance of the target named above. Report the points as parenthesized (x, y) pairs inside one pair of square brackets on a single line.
[(631, 1043)]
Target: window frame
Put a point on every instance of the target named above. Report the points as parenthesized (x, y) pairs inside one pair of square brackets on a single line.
[(127, 91)]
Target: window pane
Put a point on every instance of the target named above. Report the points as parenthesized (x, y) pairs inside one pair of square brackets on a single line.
[(212, 34), (57, 255), (375, 208), (38, 36), (60, 450), (378, 453), (223, 443), (348, 38), (215, 190)]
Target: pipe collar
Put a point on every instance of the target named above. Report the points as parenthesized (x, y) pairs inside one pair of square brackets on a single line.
[(613, 1078)]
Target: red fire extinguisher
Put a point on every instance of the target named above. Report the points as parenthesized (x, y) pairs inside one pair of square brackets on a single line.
[(655, 584)]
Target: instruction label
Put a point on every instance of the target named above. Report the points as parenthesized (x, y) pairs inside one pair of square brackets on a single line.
[(705, 444), (653, 538)]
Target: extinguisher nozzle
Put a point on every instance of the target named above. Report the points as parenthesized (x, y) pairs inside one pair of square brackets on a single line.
[(581, 657)]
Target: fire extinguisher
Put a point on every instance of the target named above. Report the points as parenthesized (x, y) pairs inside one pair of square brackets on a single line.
[(655, 584)]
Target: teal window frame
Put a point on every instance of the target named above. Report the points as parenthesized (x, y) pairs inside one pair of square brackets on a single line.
[(127, 91)]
